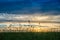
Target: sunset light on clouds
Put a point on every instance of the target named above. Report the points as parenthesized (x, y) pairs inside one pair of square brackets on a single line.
[(43, 12)]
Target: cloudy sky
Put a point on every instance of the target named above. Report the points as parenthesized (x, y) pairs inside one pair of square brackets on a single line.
[(50, 9)]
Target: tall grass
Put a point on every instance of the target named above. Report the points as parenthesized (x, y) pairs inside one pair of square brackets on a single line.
[(30, 36)]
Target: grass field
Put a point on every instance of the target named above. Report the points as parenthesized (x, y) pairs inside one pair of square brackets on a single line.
[(30, 36)]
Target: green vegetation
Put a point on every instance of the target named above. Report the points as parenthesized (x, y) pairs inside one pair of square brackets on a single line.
[(30, 36)]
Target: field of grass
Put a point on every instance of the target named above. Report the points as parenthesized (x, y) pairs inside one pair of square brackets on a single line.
[(30, 36)]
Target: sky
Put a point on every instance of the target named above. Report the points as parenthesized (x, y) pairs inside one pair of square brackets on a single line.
[(29, 6), (9, 8)]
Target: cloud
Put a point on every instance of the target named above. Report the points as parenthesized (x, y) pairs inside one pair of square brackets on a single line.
[(33, 17)]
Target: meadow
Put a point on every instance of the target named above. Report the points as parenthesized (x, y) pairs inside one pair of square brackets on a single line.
[(30, 36)]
